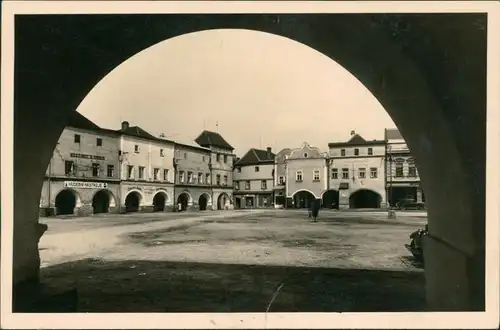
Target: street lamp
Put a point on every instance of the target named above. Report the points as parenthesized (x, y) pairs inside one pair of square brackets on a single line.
[(391, 213)]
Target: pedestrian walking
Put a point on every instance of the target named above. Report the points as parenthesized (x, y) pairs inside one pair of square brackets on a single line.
[(315, 209)]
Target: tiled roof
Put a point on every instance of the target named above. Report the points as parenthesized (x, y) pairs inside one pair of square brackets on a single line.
[(136, 131), (77, 120), (356, 140), (256, 156), (212, 139), (393, 134)]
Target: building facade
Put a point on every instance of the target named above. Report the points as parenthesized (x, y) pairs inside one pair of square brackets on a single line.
[(147, 171), (221, 168), (306, 176), (193, 177), (356, 174), (280, 178), (402, 179), (253, 178), (82, 175)]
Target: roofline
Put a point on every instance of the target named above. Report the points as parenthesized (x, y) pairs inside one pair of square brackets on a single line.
[(262, 162), (154, 138), (191, 146), (93, 130), (347, 144)]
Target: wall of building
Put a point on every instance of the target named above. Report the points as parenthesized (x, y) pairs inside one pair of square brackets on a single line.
[(147, 192), (196, 161), (222, 166)]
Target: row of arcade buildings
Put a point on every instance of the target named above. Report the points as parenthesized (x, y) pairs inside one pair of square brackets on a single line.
[(353, 174), (98, 170)]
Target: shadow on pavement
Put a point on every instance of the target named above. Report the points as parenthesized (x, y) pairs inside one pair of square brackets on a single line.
[(158, 286)]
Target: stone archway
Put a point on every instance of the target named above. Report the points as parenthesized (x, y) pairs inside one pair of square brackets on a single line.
[(102, 201), (303, 199), (65, 202), (418, 66), (365, 199), (330, 199), (184, 200), (133, 201), (160, 199), (223, 201), (203, 201)]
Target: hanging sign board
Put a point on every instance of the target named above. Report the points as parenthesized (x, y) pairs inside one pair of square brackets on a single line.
[(85, 185), (75, 155)]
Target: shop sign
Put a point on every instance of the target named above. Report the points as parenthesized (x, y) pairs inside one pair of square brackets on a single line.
[(84, 156), (85, 185)]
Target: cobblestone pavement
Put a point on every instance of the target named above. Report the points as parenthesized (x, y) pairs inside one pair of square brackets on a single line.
[(235, 260)]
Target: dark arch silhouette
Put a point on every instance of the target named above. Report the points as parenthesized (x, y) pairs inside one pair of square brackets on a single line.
[(364, 199), (303, 199), (221, 201), (183, 199), (65, 202), (203, 202), (100, 202), (331, 199), (132, 202), (159, 201)]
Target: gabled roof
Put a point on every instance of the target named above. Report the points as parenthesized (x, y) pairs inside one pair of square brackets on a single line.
[(393, 134), (256, 156), (356, 140), (136, 131), (77, 120), (212, 139)]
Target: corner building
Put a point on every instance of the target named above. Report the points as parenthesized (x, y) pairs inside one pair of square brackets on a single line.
[(82, 175)]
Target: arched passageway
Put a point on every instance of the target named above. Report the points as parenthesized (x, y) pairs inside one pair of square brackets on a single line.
[(159, 201), (222, 201), (132, 201), (303, 199), (203, 202), (183, 200), (331, 199), (65, 202), (101, 202), (364, 199), (420, 70)]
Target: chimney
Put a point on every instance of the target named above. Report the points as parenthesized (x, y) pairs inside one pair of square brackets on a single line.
[(268, 152), (125, 125), (353, 132)]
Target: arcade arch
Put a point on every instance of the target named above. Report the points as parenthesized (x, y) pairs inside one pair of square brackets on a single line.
[(102, 201), (184, 200), (66, 202), (303, 199), (413, 81), (133, 201), (222, 201), (364, 199), (160, 199), (330, 199), (204, 201)]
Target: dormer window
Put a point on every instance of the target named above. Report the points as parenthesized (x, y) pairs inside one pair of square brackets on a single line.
[(305, 155), (342, 152)]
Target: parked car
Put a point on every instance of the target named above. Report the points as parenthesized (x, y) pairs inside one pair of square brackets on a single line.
[(410, 205)]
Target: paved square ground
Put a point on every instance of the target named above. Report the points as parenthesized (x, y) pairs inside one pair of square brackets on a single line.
[(235, 261)]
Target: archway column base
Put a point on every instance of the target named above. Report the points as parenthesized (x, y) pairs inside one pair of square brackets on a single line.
[(453, 282), (84, 210)]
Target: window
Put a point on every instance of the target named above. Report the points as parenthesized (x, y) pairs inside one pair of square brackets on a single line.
[(345, 173), (342, 152), (69, 167), (370, 151), (335, 173), (99, 142), (165, 175), (136, 148), (77, 138), (225, 159), (298, 176), (356, 152), (247, 185), (141, 172), (281, 180), (130, 171), (399, 169), (316, 175), (181, 176), (185, 155), (190, 177), (156, 172), (161, 153), (236, 185), (217, 179), (225, 180), (373, 173), (207, 178), (412, 170), (217, 157), (111, 171), (95, 169), (257, 169), (238, 169), (305, 155), (203, 158), (362, 173), (263, 184)]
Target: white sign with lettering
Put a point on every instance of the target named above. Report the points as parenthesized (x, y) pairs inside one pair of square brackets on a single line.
[(86, 185)]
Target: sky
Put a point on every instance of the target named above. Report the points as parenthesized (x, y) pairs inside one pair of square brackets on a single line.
[(256, 89)]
